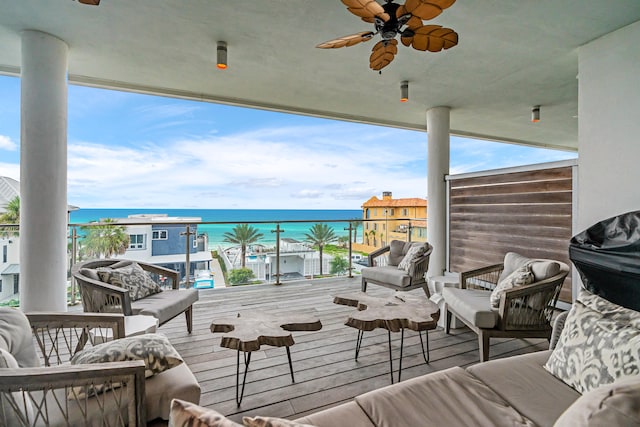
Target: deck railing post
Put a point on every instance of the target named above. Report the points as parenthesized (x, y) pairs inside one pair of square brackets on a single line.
[(74, 249), (187, 264), (277, 231), (350, 228), (409, 232)]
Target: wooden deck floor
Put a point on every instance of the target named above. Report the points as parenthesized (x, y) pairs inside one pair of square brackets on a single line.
[(325, 370)]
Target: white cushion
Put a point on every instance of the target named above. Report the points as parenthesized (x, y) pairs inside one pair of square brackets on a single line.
[(14, 400), (16, 337), (616, 404), (600, 344), (519, 277), (541, 268)]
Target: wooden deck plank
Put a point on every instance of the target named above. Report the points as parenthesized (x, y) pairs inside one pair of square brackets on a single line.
[(325, 370)]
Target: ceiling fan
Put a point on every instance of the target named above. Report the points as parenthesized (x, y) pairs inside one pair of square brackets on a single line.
[(392, 19)]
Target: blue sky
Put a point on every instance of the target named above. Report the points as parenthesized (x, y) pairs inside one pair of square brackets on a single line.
[(128, 150)]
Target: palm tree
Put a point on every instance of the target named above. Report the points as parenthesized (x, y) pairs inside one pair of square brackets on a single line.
[(355, 223), (320, 235), (11, 216), (105, 240), (243, 235)]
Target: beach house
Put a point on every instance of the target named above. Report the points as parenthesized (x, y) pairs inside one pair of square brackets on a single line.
[(389, 219)]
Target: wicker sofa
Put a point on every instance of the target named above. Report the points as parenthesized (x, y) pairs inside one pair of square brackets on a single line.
[(102, 297)]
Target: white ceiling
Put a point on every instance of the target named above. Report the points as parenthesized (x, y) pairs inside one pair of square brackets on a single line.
[(512, 55)]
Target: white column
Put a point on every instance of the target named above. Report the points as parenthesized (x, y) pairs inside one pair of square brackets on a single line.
[(437, 169), (43, 173)]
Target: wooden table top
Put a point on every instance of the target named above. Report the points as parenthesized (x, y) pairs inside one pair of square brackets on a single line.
[(249, 330), (392, 313)]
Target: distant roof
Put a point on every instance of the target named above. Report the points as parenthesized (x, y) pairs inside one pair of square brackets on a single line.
[(12, 269), (395, 203), (9, 189)]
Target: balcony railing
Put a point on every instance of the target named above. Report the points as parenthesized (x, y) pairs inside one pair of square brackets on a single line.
[(281, 254)]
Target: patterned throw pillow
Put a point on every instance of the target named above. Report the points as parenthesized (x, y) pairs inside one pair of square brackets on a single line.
[(131, 277), (155, 349), (412, 254), (187, 414), (270, 422), (600, 343), (519, 277)]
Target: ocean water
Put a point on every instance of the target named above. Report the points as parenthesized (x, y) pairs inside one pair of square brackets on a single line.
[(263, 219)]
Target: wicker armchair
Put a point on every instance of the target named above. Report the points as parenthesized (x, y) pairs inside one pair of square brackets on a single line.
[(524, 312), (101, 297), (383, 267), (52, 395)]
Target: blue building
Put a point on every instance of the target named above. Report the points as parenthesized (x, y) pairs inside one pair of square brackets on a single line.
[(163, 240)]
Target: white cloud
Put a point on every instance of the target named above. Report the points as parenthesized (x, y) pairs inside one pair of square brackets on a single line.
[(7, 144), (317, 167)]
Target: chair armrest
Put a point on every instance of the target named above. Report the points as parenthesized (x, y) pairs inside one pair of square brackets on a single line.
[(97, 295), (558, 326), (31, 390), (481, 278), (378, 252), (418, 267), (530, 306), (61, 335)]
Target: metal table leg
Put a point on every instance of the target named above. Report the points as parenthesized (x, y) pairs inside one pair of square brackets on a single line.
[(247, 360), (359, 342), (426, 333)]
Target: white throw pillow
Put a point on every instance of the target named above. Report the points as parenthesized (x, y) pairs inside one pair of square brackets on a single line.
[(600, 344), (412, 254), (519, 277)]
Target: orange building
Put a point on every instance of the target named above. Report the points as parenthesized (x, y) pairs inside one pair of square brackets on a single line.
[(389, 219)]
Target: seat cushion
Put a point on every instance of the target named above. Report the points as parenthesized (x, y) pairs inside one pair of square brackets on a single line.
[(188, 414), (472, 305), (616, 404), (176, 383), (452, 397), (388, 274), (523, 382), (165, 305), (350, 412)]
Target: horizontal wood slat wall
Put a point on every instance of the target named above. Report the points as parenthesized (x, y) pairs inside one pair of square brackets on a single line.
[(527, 212)]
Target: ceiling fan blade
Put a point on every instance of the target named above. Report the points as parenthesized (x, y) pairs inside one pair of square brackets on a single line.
[(366, 9), (347, 41), (382, 54), (427, 9), (434, 38), (90, 2)]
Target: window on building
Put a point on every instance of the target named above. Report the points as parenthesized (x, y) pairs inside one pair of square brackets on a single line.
[(367, 213), (0, 285), (391, 212), (159, 234), (375, 226), (375, 212), (195, 243), (5, 249), (405, 212), (16, 283), (136, 241)]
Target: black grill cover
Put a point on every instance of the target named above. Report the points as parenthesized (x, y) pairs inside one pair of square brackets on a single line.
[(607, 256)]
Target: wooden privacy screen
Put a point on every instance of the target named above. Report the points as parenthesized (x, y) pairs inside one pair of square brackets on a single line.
[(525, 212)]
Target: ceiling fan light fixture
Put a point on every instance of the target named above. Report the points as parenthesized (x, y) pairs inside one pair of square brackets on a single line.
[(535, 114), (404, 91), (222, 56)]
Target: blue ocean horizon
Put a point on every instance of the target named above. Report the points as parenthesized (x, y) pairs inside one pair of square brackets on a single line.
[(215, 232)]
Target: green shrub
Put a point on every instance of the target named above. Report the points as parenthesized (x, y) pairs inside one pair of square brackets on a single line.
[(240, 276), (339, 265)]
